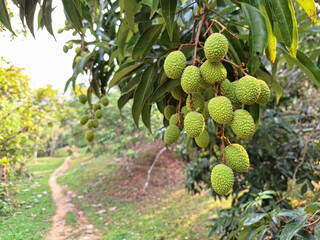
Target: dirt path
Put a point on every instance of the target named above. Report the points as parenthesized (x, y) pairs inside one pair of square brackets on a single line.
[(60, 230)]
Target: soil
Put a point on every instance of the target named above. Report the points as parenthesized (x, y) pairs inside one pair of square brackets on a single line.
[(60, 230)]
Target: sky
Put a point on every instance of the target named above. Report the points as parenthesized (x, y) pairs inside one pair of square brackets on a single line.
[(42, 57)]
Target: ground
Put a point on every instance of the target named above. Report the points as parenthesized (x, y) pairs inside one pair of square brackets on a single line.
[(113, 203)]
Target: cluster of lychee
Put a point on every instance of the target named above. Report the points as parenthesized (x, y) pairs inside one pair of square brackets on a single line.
[(211, 94), (93, 115)]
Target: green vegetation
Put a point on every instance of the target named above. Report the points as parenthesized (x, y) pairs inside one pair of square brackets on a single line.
[(173, 214), (31, 223)]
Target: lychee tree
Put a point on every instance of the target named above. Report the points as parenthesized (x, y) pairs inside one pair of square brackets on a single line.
[(206, 65)]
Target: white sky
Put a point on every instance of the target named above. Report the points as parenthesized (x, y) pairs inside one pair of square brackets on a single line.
[(42, 57)]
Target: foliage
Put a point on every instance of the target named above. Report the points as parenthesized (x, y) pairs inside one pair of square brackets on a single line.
[(263, 218)]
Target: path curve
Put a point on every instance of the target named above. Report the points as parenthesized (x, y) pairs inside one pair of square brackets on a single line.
[(60, 230)]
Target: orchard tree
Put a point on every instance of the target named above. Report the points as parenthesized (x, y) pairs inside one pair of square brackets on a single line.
[(206, 65)]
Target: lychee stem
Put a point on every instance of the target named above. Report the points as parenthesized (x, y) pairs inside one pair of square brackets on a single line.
[(198, 36)]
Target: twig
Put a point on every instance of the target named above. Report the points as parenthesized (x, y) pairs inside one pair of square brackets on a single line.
[(227, 20), (185, 8), (243, 70), (197, 37), (151, 167), (24, 129), (270, 217), (4, 118)]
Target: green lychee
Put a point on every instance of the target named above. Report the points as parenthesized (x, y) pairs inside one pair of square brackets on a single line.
[(220, 109), (216, 47), (174, 64), (222, 179)]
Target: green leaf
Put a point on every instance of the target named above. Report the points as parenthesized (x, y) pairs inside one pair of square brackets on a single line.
[(143, 91), (317, 232), (293, 227), (260, 229), (153, 5), (309, 7), (122, 37), (304, 235), (123, 71), (278, 89), (272, 41), (258, 35), (253, 64), (124, 99), (312, 208), (131, 84), (295, 37), (282, 14), (4, 16), (146, 115), (164, 88), (72, 14), (168, 8), (262, 233), (145, 42), (30, 8), (46, 15), (306, 65), (255, 113), (129, 13), (254, 218)]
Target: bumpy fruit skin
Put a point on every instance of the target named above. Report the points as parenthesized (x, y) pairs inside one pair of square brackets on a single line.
[(222, 179), (174, 64), (190, 79), (225, 87), (208, 94), (98, 114), (77, 59), (95, 123), (237, 158), (194, 124), (264, 94), (220, 109), (172, 134), (232, 95), (83, 99), (197, 102), (242, 124), (168, 111), (213, 72), (203, 140), (89, 136), (89, 124), (96, 106), (205, 112), (248, 90), (84, 119), (216, 47), (203, 84), (105, 101), (184, 111), (176, 92), (174, 121)]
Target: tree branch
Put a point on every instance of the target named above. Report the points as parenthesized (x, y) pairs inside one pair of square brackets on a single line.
[(151, 167), (24, 129)]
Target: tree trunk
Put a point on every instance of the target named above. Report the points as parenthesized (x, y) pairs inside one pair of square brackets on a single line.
[(53, 146)]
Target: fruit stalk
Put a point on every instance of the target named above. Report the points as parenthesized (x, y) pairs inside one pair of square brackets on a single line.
[(198, 36)]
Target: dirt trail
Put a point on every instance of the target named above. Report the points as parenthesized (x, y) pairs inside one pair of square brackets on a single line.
[(60, 230)]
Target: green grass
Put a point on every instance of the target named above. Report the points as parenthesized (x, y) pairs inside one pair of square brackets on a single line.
[(33, 223), (173, 215), (71, 219)]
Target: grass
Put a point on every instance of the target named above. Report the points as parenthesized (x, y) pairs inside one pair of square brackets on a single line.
[(33, 223), (71, 219), (174, 215)]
